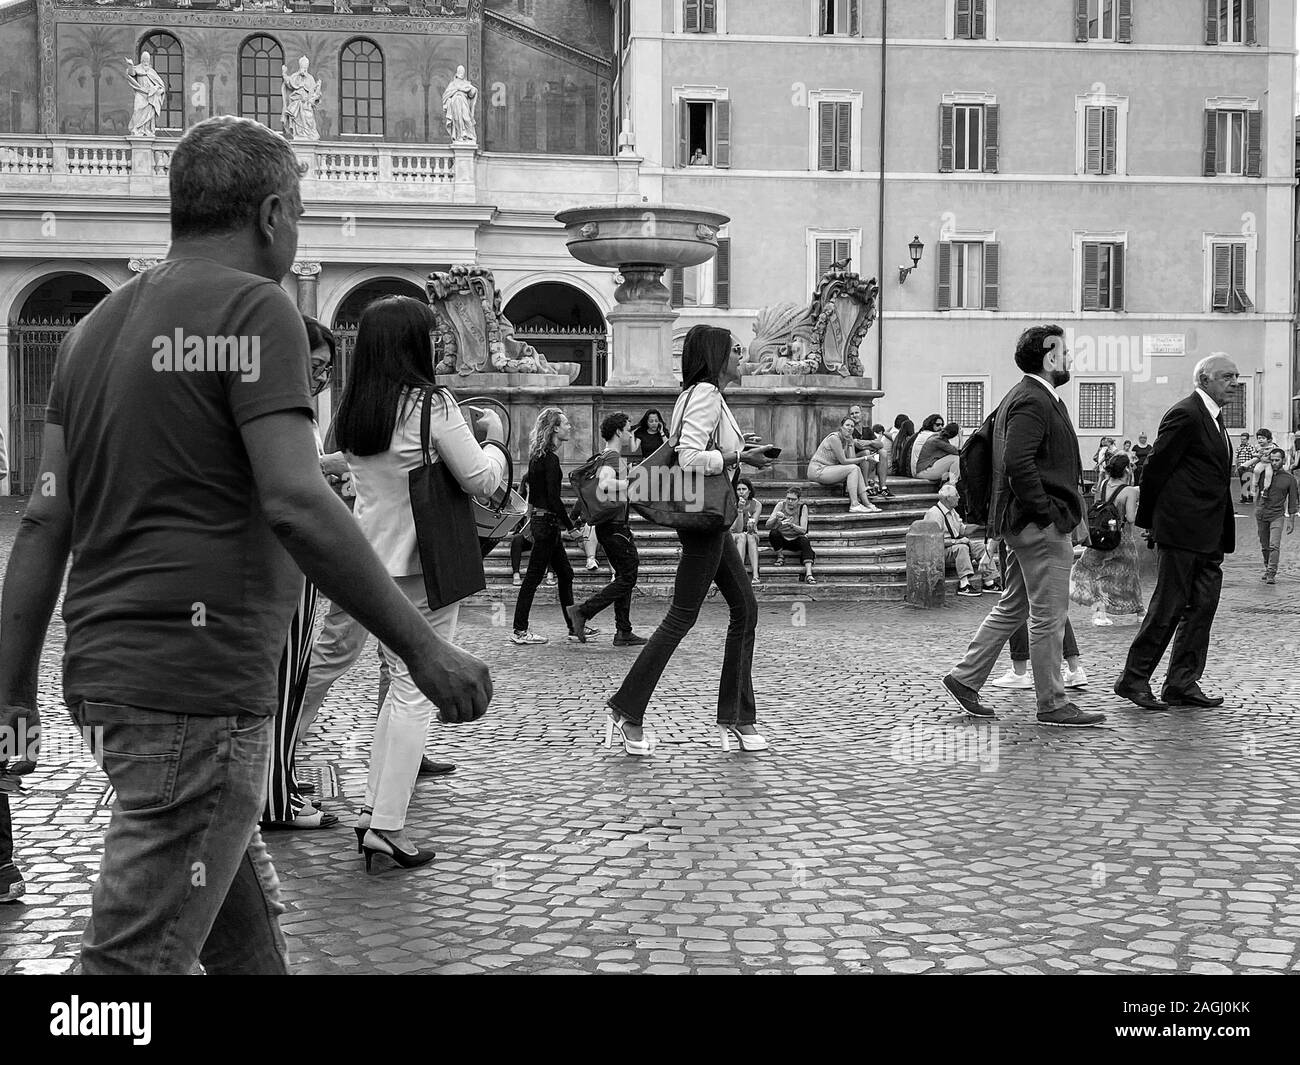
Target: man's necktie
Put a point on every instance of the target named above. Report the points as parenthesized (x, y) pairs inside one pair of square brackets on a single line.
[(1223, 432)]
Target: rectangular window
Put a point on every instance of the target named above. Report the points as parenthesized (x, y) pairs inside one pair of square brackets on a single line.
[(970, 20), (699, 133), (1101, 20), (964, 403), (700, 16), (1101, 136), (1097, 404), (1103, 276), (1234, 409), (1232, 22), (829, 252), (837, 18), (1229, 277), (834, 135), (706, 285), (1234, 142), (967, 275), (1230, 139), (968, 141)]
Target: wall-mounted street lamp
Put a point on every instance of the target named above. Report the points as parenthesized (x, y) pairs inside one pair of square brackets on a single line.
[(915, 247)]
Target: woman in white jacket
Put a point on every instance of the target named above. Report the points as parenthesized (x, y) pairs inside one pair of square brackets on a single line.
[(711, 441), (378, 428)]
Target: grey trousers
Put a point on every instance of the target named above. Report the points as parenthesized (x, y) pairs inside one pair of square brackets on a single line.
[(1036, 586), (336, 650)]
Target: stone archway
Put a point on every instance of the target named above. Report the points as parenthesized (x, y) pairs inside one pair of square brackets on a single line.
[(347, 313), (565, 324), (43, 314)]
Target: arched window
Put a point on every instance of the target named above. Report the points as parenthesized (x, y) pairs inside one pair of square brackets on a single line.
[(361, 88), (260, 60), (168, 59)]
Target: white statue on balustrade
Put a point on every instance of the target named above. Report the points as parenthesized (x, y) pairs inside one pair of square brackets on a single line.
[(150, 95), (458, 105), (301, 93)]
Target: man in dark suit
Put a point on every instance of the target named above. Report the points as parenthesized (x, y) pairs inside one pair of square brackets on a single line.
[(1034, 505), (1186, 502)]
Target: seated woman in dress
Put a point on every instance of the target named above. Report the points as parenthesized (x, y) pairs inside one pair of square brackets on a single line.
[(744, 530), (788, 531), (835, 462)]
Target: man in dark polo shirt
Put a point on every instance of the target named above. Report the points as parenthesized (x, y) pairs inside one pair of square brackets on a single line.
[(180, 472)]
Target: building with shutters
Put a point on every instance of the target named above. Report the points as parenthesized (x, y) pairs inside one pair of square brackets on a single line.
[(1123, 167)]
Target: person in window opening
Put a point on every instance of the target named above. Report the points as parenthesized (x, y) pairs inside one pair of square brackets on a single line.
[(649, 432), (550, 522), (379, 429), (744, 530), (787, 530), (712, 443), (698, 158)]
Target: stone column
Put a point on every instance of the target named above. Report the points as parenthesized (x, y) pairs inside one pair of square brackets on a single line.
[(7, 458), (308, 274), (925, 565), (642, 329)]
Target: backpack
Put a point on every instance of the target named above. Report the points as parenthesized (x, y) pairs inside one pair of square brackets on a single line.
[(1105, 523), (592, 504), (975, 473)]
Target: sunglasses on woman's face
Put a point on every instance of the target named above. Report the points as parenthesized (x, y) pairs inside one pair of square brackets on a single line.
[(320, 376)]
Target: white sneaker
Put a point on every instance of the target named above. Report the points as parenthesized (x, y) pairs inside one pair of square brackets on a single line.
[(527, 638), (1076, 678), (593, 566), (858, 508), (516, 579), (1015, 680), (549, 580)]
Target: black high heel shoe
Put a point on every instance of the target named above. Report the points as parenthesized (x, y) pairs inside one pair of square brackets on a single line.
[(388, 847), (361, 830)]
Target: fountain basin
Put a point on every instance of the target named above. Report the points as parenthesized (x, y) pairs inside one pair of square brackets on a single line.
[(664, 235)]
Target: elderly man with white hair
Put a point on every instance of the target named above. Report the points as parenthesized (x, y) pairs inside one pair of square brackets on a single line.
[(958, 547), (1186, 502)]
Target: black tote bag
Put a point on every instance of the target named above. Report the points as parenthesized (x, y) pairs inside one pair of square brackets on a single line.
[(445, 527)]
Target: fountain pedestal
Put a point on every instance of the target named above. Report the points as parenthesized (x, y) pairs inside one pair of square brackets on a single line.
[(642, 328)]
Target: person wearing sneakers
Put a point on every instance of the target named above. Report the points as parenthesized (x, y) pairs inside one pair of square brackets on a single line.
[(1034, 506), (12, 886), (787, 530), (615, 536), (958, 547), (835, 462), (1018, 676), (1276, 491)]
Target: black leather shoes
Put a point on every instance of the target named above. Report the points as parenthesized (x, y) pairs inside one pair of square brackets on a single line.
[(967, 698), (1143, 697), (1195, 697), (430, 768)]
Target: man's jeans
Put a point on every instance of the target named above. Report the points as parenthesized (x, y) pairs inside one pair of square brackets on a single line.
[(707, 558), (616, 538), (1270, 542), (185, 875), (1036, 585)]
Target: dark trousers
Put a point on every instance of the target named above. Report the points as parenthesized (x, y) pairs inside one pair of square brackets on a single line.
[(798, 543), (707, 558), (1020, 643), (518, 544), (1182, 609), (548, 549), (6, 832), (616, 538)]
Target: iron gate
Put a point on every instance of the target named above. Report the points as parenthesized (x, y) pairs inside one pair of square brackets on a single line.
[(33, 347)]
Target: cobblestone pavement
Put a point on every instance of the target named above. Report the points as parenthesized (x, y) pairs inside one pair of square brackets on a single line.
[(881, 833)]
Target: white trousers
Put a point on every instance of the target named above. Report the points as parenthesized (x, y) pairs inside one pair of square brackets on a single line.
[(403, 722)]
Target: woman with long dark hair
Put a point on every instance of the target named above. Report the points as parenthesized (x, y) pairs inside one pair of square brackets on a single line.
[(649, 432), (550, 520), (903, 449), (378, 428), (710, 441), (929, 427)]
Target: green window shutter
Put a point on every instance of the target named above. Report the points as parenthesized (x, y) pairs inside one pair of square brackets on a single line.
[(1211, 21), (855, 19), (1124, 22), (943, 295), (1250, 21), (990, 138), (683, 134), (843, 249), (1117, 277), (843, 136), (1254, 143), (722, 274), (1092, 123), (709, 16), (1091, 268), (1080, 20), (945, 138), (992, 259), (1240, 301), (722, 134), (691, 16), (676, 288), (1109, 134), (1222, 269), (1211, 143), (825, 256), (821, 16), (962, 29), (825, 135), (978, 21)]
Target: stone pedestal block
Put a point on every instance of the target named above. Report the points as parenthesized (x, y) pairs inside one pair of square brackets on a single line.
[(642, 345), (925, 565)]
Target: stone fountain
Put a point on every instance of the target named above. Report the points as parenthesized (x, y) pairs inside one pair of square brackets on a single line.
[(641, 241)]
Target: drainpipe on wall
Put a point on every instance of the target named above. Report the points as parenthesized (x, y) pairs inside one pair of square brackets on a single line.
[(880, 226)]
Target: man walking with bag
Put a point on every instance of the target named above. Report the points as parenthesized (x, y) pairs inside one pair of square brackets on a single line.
[(1034, 506), (614, 535)]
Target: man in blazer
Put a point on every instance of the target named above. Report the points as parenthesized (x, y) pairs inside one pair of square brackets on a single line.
[(1186, 502), (1034, 505)]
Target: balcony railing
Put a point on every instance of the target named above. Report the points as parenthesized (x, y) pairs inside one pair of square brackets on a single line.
[(335, 170)]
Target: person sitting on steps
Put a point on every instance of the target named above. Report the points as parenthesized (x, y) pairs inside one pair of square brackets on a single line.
[(788, 531)]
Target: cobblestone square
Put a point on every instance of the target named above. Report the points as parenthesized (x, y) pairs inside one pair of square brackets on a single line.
[(880, 833)]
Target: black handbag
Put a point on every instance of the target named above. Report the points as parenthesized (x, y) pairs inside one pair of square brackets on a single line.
[(655, 492), (445, 527)]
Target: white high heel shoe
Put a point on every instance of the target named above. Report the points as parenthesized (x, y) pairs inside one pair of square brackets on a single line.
[(615, 721), (747, 743)]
